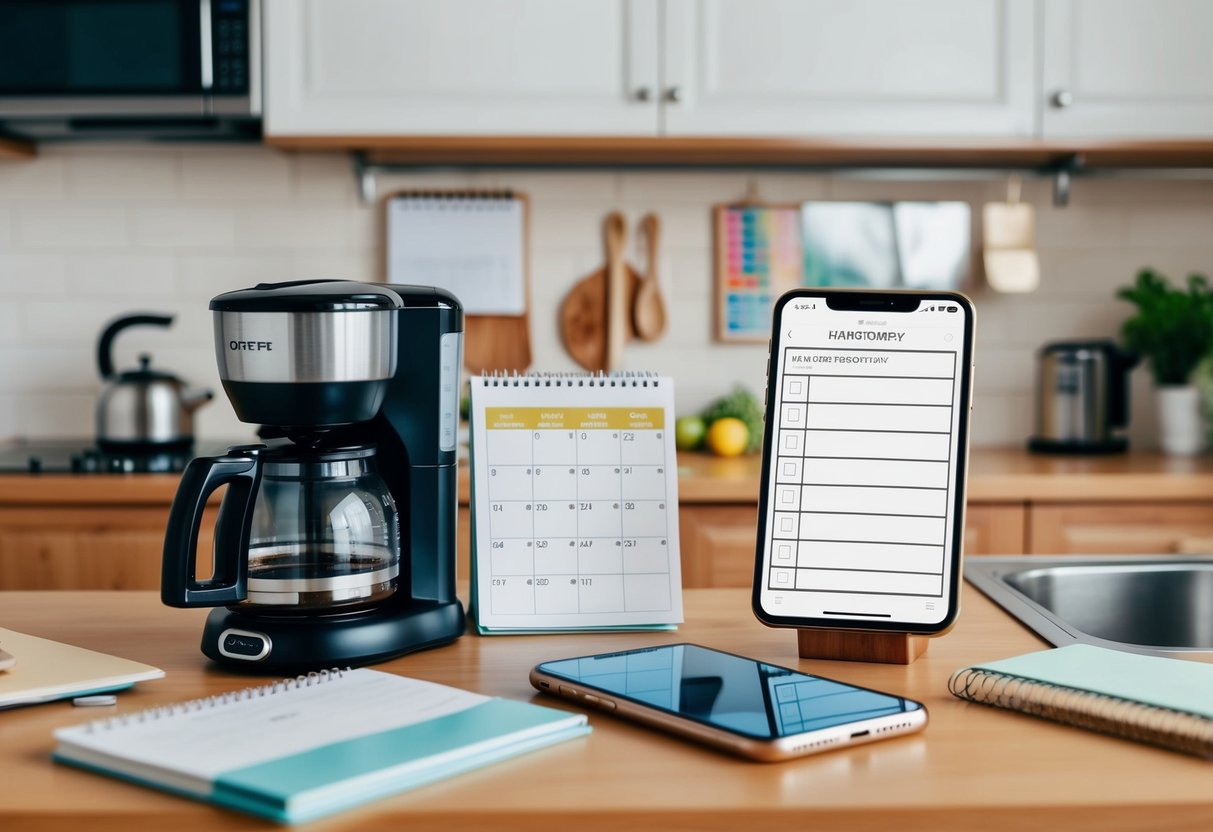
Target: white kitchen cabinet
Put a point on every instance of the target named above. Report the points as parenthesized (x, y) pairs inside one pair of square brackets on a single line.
[(648, 67), (461, 67), (1127, 68), (839, 67), (882, 69)]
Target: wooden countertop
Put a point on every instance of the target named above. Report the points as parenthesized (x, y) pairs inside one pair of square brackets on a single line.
[(995, 475), (974, 767)]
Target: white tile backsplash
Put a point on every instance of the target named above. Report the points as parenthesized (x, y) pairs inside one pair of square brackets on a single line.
[(32, 275), (126, 275), (217, 174), (88, 232), (130, 174), (178, 225), (63, 225)]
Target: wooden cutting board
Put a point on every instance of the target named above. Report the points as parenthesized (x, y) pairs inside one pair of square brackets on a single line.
[(595, 317)]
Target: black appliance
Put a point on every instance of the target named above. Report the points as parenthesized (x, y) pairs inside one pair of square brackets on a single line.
[(1082, 398), (80, 456), (130, 68), (334, 543)]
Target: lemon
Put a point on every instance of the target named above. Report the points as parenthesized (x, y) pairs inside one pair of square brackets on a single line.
[(728, 437)]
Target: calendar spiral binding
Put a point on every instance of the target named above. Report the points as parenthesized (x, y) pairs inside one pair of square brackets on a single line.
[(615, 378), (480, 199), (194, 705)]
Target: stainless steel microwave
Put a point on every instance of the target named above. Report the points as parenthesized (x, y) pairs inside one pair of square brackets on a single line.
[(71, 67)]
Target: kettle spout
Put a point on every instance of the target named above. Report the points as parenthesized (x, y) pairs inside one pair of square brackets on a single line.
[(191, 400)]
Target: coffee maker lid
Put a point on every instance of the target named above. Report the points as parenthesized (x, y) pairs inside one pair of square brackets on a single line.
[(309, 296)]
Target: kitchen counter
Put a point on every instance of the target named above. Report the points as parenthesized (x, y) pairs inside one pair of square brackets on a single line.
[(106, 531), (995, 475), (974, 767)]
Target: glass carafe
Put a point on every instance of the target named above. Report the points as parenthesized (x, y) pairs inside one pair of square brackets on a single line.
[(324, 532), (299, 531)]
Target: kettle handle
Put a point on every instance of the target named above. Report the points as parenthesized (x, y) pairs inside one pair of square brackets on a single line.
[(105, 357), (240, 471)]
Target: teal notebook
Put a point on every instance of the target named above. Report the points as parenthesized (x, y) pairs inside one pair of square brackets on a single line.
[(304, 748), (1162, 701)]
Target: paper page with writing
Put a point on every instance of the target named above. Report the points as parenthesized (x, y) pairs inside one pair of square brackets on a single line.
[(574, 503), (470, 244)]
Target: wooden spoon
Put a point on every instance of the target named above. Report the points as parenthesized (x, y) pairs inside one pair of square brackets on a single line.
[(584, 313), (648, 310)]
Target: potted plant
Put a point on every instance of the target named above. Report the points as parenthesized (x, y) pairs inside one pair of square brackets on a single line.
[(1173, 328)]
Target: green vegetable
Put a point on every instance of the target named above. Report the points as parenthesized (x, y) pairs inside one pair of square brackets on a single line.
[(740, 404), (1173, 328)]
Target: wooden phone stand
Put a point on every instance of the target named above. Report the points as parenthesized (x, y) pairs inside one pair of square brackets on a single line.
[(855, 646)]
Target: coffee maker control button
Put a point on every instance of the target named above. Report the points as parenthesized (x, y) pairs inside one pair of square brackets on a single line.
[(244, 645)]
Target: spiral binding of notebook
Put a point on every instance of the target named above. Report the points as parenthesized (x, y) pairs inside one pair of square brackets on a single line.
[(1175, 730), (194, 705)]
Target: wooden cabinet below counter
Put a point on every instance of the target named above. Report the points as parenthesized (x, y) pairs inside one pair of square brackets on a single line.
[(106, 532), (88, 532)]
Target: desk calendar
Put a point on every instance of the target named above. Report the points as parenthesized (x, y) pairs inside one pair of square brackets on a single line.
[(574, 503)]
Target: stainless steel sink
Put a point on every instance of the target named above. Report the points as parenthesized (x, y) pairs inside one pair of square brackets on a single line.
[(1153, 604)]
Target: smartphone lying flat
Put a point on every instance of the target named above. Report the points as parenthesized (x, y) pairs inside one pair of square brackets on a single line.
[(744, 706), (861, 510)]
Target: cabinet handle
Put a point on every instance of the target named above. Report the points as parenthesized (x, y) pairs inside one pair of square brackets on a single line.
[(643, 94), (673, 95), (1062, 99)]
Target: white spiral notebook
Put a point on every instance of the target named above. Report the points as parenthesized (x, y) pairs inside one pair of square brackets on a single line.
[(574, 503), (302, 748)]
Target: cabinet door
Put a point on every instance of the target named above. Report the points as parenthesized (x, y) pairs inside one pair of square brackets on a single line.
[(468, 67), (718, 544), (1123, 68), (78, 547), (833, 67), (995, 529), (1121, 529)]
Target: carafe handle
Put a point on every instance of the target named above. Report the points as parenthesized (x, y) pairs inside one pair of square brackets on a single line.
[(240, 471)]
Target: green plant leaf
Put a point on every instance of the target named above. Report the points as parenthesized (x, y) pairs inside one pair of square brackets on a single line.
[(1173, 328)]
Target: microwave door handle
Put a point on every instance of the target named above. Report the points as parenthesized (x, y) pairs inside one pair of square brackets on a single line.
[(208, 55)]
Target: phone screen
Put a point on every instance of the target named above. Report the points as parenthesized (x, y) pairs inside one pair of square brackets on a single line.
[(730, 692), (867, 419)]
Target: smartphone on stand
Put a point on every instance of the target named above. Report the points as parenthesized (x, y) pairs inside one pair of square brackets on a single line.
[(733, 703), (861, 509)]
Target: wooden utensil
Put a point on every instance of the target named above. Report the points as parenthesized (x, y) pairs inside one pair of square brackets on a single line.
[(584, 314), (648, 310), (497, 342)]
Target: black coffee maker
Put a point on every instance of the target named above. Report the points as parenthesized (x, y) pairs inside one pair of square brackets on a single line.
[(335, 540)]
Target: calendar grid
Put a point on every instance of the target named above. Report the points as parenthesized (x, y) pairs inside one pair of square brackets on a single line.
[(617, 535)]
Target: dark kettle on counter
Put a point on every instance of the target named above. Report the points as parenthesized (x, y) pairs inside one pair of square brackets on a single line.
[(143, 408)]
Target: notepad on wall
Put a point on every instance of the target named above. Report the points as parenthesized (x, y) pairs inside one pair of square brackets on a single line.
[(471, 243), (45, 670), (303, 748), (574, 503), (1161, 701)]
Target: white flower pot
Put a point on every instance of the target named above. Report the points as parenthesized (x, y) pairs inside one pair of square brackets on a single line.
[(1181, 424)]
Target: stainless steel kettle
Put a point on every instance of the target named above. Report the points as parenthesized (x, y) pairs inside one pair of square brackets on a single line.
[(1082, 398), (143, 408)]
